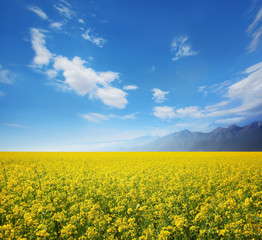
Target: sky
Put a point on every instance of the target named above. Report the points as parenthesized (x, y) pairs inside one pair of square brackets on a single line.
[(86, 75)]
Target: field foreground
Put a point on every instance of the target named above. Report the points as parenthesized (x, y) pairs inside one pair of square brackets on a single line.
[(131, 195)]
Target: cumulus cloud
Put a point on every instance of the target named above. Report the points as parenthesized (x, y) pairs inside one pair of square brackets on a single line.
[(112, 96), (85, 80), (97, 117), (77, 77), (192, 111), (56, 25), (88, 35), (38, 11), (5, 76), (181, 48), (255, 31), (51, 73), (80, 78), (130, 87), (64, 9), (43, 55), (164, 112), (158, 95)]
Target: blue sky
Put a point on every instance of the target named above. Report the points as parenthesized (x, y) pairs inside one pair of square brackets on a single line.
[(80, 75)]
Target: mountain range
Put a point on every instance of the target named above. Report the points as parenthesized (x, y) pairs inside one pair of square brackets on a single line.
[(233, 138)]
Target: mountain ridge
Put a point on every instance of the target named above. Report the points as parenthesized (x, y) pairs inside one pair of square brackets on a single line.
[(232, 138)]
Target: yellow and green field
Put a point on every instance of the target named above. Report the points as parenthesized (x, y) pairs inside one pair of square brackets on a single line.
[(131, 196)]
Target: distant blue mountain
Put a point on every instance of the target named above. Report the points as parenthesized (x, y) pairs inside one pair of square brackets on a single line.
[(233, 138)]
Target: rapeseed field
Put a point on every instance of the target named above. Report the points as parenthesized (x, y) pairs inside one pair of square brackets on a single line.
[(131, 196)]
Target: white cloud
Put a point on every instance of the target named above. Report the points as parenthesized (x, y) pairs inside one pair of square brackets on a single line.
[(203, 90), (92, 38), (181, 49), (217, 106), (129, 116), (66, 3), (230, 120), (64, 9), (255, 31), (97, 117), (255, 40), (94, 117), (130, 87), (159, 95), (79, 78), (2, 93), (253, 68), (192, 111), (85, 80), (38, 11), (5, 76), (56, 25), (250, 88), (43, 55), (219, 87), (243, 100), (81, 21), (51, 73), (164, 112), (113, 97)]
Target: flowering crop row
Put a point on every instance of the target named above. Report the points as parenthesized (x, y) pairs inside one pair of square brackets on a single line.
[(131, 196)]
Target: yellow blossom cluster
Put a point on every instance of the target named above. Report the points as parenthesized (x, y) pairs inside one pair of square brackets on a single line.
[(130, 196)]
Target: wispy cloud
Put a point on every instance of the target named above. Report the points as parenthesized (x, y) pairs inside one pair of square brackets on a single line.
[(228, 121), (220, 87), (255, 31), (14, 125), (81, 21), (38, 11), (2, 93), (97, 117), (181, 48), (253, 68), (203, 90), (5, 76), (64, 9), (130, 87), (43, 55), (88, 35), (158, 95), (56, 25), (241, 100)]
